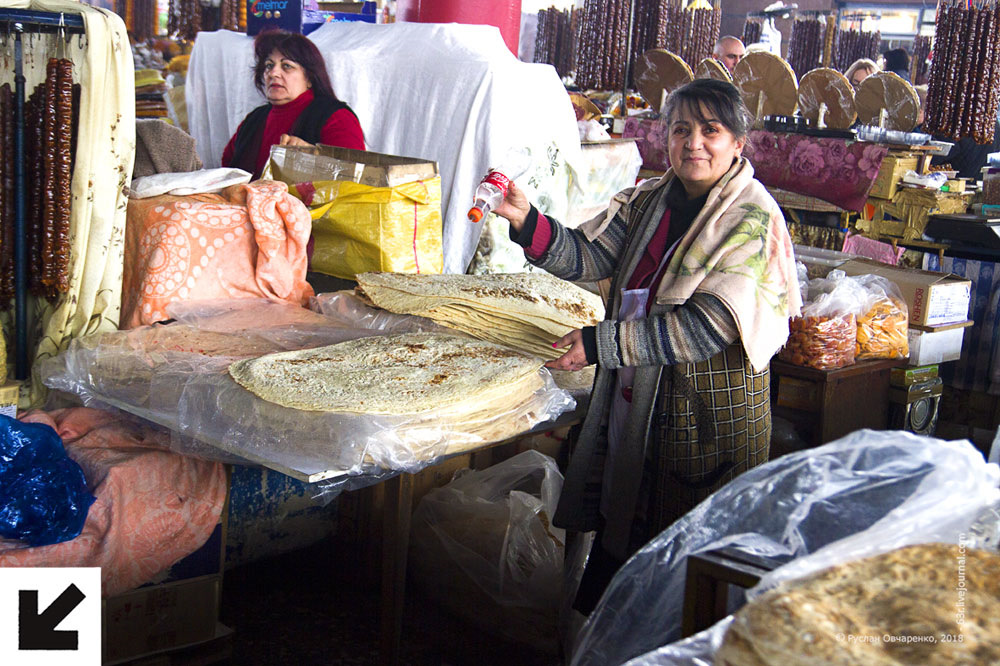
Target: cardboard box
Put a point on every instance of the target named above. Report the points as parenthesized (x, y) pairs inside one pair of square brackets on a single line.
[(302, 164), (160, 617), (931, 298), (9, 393), (890, 175), (936, 344)]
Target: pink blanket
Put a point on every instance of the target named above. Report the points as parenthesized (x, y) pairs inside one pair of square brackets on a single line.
[(153, 506), (248, 241)]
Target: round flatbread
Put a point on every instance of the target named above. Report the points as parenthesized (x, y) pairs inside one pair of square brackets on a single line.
[(931, 604), (886, 90), (767, 83), (658, 73), (710, 68), (827, 86), (393, 374)]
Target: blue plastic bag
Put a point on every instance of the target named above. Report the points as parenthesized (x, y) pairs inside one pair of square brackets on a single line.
[(43, 493)]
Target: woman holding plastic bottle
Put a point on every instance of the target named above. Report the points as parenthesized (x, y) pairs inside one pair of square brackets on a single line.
[(703, 285), (301, 108)]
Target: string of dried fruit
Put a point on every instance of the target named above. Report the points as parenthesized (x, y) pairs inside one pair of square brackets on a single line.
[(965, 75), (6, 190), (50, 110), (829, 35), (936, 85), (34, 154), (993, 104), (64, 173), (751, 31), (919, 66)]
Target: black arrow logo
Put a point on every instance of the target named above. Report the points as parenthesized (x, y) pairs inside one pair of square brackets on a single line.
[(38, 632)]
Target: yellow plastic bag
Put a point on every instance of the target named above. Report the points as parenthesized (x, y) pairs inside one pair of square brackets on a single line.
[(359, 228)]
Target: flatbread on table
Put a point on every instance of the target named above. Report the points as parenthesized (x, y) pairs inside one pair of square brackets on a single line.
[(945, 598), (768, 84), (827, 86), (885, 90), (659, 72), (396, 374), (524, 311), (710, 68)]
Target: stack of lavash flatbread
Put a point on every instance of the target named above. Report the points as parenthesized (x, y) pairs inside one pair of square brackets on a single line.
[(929, 604), (523, 311)]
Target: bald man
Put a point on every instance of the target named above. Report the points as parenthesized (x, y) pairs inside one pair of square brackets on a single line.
[(729, 50)]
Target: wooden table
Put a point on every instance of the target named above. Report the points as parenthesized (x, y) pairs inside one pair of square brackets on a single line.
[(827, 404)]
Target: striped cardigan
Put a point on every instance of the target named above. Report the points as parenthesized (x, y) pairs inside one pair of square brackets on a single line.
[(699, 329)]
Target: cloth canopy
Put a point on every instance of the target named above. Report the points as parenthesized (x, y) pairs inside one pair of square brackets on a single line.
[(445, 92)]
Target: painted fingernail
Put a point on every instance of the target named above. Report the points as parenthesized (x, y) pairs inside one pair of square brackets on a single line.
[(554, 344)]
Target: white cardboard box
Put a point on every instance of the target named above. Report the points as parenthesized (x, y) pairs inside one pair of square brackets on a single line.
[(932, 298), (928, 345)]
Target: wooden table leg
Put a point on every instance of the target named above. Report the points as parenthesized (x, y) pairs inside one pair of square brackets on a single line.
[(396, 515)]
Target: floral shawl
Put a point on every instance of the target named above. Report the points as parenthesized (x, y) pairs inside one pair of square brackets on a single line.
[(738, 250)]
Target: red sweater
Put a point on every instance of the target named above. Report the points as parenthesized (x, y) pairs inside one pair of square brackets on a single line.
[(342, 129)]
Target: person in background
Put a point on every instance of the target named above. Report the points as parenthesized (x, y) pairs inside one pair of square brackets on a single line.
[(860, 70), (729, 50), (301, 108), (703, 285), (897, 61)]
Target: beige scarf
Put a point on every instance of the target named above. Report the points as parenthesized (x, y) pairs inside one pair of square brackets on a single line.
[(738, 250)]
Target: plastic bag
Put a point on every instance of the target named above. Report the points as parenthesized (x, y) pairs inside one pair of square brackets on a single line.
[(345, 308), (868, 492), (825, 336), (44, 497), (882, 328), (483, 546)]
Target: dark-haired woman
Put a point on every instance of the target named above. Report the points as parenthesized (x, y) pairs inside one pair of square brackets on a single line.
[(301, 107), (703, 285)]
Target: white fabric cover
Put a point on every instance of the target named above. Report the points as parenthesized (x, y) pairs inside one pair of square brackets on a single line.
[(187, 182), (445, 92)]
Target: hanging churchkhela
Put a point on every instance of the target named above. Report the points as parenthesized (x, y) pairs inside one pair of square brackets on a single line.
[(50, 120), (853, 45), (805, 48), (964, 91), (752, 30), (919, 61)]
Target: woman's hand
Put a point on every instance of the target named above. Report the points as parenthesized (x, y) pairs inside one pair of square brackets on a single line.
[(575, 358), (291, 140), (515, 207)]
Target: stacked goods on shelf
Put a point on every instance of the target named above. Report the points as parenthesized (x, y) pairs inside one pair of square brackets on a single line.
[(229, 14), (853, 45), (920, 60), (752, 30), (554, 42), (805, 48), (964, 88), (150, 87), (50, 118)]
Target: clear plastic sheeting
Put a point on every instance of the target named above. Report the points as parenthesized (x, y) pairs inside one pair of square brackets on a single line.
[(483, 546), (177, 376), (867, 493), (347, 309)]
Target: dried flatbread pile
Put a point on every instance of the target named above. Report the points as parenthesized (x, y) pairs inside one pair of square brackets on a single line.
[(930, 604), (524, 311), (396, 374)]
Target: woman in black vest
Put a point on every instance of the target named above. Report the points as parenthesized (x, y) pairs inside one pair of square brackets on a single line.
[(301, 110)]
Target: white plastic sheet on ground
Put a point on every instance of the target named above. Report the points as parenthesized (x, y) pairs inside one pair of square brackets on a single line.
[(177, 376), (445, 92), (867, 493)]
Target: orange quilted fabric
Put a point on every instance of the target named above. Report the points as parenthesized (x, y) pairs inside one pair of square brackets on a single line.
[(248, 241), (153, 506)]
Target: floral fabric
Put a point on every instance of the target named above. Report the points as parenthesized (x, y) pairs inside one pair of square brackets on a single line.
[(651, 137), (838, 171), (153, 506)]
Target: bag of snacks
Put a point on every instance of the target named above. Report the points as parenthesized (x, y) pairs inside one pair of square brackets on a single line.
[(825, 336), (882, 328)]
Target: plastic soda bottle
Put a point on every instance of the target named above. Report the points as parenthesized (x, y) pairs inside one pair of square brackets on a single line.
[(493, 188)]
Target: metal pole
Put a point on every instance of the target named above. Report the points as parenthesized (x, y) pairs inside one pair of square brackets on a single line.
[(20, 250), (628, 57)]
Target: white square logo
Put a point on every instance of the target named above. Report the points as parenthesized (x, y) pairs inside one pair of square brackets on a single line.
[(50, 616)]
